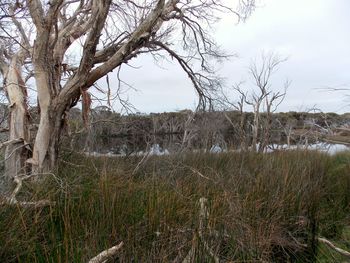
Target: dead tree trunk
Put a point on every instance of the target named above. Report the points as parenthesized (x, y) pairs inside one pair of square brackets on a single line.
[(17, 151)]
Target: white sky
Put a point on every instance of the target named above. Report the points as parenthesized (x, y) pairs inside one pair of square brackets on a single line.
[(313, 34)]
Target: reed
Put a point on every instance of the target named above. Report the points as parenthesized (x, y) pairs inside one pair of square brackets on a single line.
[(261, 208)]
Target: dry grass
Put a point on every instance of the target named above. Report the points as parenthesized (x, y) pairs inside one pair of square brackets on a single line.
[(262, 208)]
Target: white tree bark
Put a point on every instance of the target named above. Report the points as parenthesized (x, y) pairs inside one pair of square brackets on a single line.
[(16, 153)]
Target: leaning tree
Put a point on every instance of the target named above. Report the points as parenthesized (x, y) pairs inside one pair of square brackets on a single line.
[(36, 37)]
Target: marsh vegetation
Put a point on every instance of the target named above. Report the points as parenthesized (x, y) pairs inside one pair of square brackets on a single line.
[(261, 208)]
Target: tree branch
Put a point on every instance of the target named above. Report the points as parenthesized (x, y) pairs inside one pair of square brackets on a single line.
[(105, 254), (334, 247), (37, 13)]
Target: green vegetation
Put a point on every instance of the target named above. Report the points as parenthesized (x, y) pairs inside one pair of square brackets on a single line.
[(262, 208)]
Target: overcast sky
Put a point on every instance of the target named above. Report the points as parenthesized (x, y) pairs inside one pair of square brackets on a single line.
[(313, 34)]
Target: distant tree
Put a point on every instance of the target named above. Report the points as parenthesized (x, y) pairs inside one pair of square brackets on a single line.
[(262, 99)]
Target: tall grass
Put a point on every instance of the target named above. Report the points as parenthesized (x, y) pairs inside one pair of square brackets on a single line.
[(262, 208)]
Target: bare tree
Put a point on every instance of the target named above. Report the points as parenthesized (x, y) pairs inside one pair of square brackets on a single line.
[(38, 35), (264, 98)]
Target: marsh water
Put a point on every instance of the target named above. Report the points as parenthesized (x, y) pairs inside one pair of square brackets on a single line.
[(169, 144)]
